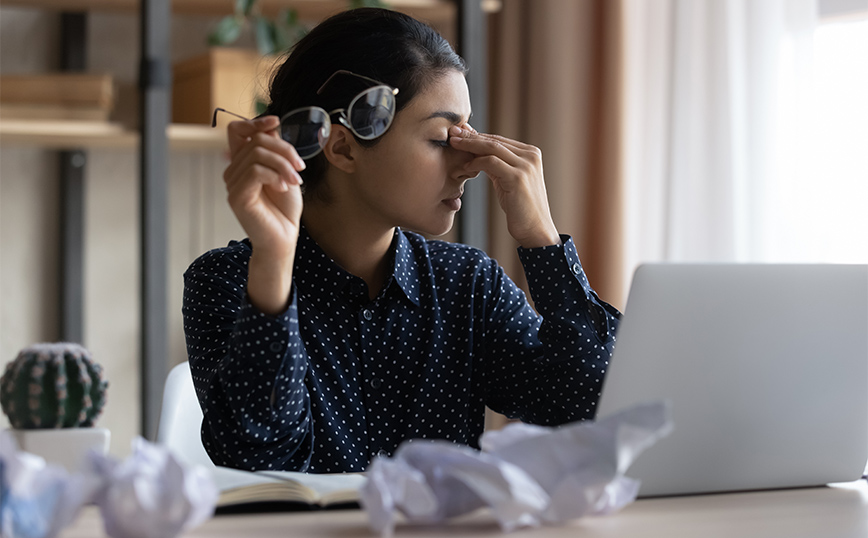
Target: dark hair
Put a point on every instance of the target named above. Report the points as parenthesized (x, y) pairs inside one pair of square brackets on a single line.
[(385, 45)]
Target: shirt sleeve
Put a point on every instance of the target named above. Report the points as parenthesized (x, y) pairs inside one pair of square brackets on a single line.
[(547, 366), (248, 369)]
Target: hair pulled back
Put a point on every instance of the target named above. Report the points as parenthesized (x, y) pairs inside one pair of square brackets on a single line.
[(385, 45)]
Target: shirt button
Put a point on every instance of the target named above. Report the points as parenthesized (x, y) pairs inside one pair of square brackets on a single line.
[(376, 383), (367, 314), (382, 453), (576, 268), (276, 347)]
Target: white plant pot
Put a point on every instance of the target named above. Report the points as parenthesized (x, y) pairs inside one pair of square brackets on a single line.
[(65, 446)]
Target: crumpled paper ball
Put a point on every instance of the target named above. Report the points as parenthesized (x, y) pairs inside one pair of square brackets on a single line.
[(38, 499), (526, 475), (151, 494)]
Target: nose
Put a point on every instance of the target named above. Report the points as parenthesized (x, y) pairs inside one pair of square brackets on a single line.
[(459, 164)]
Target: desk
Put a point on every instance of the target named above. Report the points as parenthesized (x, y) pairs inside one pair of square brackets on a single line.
[(833, 512)]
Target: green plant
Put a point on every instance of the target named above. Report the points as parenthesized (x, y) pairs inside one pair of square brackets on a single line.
[(272, 36), (366, 3), (52, 386)]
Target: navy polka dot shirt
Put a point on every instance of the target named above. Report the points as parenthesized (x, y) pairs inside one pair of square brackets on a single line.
[(338, 378)]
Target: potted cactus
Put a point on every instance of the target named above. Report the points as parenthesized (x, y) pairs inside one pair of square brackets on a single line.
[(52, 395)]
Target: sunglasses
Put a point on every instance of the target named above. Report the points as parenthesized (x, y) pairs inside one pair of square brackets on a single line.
[(368, 116)]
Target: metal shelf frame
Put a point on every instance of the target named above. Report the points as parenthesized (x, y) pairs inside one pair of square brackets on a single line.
[(155, 89)]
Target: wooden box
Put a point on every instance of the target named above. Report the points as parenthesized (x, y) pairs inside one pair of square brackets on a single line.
[(57, 96), (224, 77)]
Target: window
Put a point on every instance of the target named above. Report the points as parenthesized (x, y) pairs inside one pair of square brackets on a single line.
[(819, 201)]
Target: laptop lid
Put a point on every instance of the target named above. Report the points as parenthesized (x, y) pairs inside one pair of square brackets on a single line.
[(766, 368)]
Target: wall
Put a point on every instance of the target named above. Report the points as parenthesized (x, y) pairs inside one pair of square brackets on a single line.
[(199, 218)]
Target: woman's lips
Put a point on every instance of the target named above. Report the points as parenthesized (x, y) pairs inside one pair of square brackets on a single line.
[(453, 204)]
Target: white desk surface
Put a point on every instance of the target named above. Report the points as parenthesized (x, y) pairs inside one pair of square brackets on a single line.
[(840, 511)]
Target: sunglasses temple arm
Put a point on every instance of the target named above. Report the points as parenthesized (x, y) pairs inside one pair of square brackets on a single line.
[(218, 109), (345, 72)]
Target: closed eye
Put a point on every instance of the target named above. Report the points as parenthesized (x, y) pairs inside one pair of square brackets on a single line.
[(441, 143)]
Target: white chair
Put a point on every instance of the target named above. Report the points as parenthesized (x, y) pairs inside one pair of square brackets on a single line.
[(181, 418)]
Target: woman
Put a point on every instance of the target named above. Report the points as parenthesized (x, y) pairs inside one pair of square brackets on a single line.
[(330, 335)]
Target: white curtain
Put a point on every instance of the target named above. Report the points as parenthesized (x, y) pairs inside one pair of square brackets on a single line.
[(708, 86)]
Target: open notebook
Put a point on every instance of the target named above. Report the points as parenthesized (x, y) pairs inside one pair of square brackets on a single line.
[(766, 368), (242, 491)]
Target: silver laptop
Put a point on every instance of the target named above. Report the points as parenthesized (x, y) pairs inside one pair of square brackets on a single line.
[(766, 368)]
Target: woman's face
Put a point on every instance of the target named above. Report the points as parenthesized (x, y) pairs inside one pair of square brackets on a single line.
[(412, 178)]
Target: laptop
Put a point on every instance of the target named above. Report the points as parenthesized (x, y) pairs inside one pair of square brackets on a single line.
[(765, 367)]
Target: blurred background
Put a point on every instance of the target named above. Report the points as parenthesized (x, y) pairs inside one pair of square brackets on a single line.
[(671, 130)]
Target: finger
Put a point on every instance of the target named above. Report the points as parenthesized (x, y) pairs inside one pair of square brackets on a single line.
[(242, 194), (238, 133), (249, 183), (509, 142), (523, 157), (482, 145), (270, 139), (472, 134), (494, 167), (514, 145), (241, 133), (263, 143), (479, 146), (248, 198), (257, 163)]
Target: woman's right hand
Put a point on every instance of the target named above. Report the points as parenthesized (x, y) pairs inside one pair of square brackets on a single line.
[(263, 185), (264, 192)]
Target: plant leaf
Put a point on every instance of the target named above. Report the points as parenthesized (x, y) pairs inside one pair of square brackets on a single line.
[(290, 17), (285, 30), (265, 35), (355, 4), (227, 31), (244, 7)]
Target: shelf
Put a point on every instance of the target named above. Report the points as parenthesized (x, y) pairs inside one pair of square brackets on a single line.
[(98, 134), (429, 10)]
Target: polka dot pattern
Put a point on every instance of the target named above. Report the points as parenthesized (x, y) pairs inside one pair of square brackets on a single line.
[(339, 378)]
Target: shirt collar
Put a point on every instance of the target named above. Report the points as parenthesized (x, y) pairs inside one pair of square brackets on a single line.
[(405, 268), (321, 279)]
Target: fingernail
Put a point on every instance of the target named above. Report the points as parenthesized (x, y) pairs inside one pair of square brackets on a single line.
[(300, 165), (455, 130)]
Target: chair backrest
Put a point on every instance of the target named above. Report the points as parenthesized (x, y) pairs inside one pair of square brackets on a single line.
[(181, 418)]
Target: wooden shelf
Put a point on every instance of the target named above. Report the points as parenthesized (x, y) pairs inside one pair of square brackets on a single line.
[(428, 10), (97, 134)]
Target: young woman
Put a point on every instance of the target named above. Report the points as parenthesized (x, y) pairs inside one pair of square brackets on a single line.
[(333, 333)]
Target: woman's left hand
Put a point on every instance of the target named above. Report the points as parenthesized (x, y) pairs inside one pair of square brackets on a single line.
[(516, 171)]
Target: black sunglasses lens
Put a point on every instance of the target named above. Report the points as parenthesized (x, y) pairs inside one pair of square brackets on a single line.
[(307, 130), (372, 112)]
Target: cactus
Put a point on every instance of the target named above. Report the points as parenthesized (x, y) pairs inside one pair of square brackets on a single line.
[(52, 386)]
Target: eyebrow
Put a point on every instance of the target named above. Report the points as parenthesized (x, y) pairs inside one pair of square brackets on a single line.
[(453, 117)]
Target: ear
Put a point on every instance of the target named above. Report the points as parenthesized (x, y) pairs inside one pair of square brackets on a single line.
[(341, 149)]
